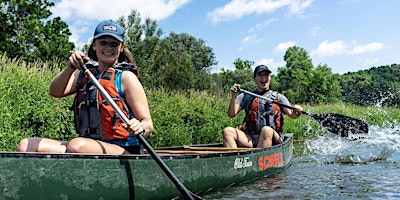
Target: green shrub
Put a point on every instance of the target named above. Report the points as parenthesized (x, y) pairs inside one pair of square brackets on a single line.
[(28, 109), (187, 118)]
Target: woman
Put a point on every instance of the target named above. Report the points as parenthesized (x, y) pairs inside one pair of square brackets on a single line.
[(99, 136)]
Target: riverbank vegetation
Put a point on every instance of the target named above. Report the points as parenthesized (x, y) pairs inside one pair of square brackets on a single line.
[(180, 117), (188, 102)]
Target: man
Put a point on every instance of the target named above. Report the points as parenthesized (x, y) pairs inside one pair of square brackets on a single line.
[(263, 120)]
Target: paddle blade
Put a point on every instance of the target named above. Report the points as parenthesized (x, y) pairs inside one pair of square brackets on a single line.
[(341, 124)]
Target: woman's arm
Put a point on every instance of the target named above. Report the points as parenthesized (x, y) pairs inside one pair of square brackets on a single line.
[(137, 101), (64, 83)]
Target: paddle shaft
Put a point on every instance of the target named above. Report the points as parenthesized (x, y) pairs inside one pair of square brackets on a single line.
[(275, 102), (182, 189)]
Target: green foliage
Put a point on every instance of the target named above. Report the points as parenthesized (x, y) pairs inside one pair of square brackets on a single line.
[(243, 75), (324, 86), (301, 83), (295, 78), (190, 117), (28, 34), (180, 117), (375, 86), (176, 62), (28, 109), (142, 40)]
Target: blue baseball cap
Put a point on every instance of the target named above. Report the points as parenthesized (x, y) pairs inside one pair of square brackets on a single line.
[(110, 28)]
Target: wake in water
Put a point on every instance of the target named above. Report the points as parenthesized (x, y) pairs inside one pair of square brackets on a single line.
[(381, 143)]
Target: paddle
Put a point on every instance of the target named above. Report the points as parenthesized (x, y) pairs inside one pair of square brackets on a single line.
[(333, 122), (182, 189)]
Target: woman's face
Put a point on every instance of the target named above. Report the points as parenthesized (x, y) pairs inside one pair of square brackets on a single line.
[(107, 50), (262, 80)]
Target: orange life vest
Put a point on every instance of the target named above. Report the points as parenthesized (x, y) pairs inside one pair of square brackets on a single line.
[(94, 117), (260, 113)]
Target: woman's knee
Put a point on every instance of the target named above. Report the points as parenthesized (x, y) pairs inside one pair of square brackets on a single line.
[(76, 145), (23, 145)]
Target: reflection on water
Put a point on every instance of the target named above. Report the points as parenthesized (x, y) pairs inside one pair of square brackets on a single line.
[(331, 167)]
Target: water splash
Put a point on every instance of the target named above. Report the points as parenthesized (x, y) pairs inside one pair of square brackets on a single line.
[(381, 143)]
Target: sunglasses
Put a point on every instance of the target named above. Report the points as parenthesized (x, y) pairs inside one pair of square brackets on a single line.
[(110, 44)]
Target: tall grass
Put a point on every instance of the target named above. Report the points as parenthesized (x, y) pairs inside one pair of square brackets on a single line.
[(180, 118), (27, 108)]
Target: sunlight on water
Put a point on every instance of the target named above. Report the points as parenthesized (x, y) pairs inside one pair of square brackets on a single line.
[(381, 143)]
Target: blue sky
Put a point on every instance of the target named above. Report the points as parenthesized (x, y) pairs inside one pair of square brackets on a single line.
[(346, 35)]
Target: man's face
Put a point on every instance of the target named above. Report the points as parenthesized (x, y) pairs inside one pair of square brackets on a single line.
[(262, 80)]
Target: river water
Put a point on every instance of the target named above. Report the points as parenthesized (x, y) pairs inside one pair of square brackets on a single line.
[(331, 167)]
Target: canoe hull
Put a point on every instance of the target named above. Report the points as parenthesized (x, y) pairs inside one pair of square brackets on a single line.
[(86, 176)]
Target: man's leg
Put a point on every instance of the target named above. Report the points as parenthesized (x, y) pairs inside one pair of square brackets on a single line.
[(267, 135), (232, 138)]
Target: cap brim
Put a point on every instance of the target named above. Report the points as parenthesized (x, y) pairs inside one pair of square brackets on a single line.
[(109, 34), (264, 70)]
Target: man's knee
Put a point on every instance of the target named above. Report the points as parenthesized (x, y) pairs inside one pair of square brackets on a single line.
[(228, 131), (267, 131)]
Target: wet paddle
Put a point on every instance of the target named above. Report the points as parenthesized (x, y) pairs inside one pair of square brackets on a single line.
[(182, 189), (336, 123)]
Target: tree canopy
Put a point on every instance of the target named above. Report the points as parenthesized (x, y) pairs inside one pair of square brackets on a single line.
[(29, 34)]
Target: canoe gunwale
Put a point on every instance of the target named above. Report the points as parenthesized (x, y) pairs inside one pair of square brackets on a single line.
[(288, 138)]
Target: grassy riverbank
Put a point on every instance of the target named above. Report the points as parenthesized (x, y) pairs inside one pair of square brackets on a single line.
[(180, 118)]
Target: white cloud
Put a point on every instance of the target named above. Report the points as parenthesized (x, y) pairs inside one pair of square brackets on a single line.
[(374, 46), (327, 48), (236, 9), (298, 7), (81, 15), (270, 62), (251, 39), (339, 47), (261, 25), (316, 31), (101, 9), (282, 47), (369, 62)]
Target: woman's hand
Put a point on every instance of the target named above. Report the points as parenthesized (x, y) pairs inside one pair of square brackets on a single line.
[(134, 126), (77, 59)]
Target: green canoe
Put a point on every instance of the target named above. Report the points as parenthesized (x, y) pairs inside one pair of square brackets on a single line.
[(201, 168)]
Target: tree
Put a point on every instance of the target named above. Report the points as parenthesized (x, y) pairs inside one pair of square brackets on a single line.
[(301, 83), (187, 59), (143, 40), (242, 74), (201, 55), (375, 86), (171, 72), (28, 34), (324, 87), (179, 61), (295, 78)]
